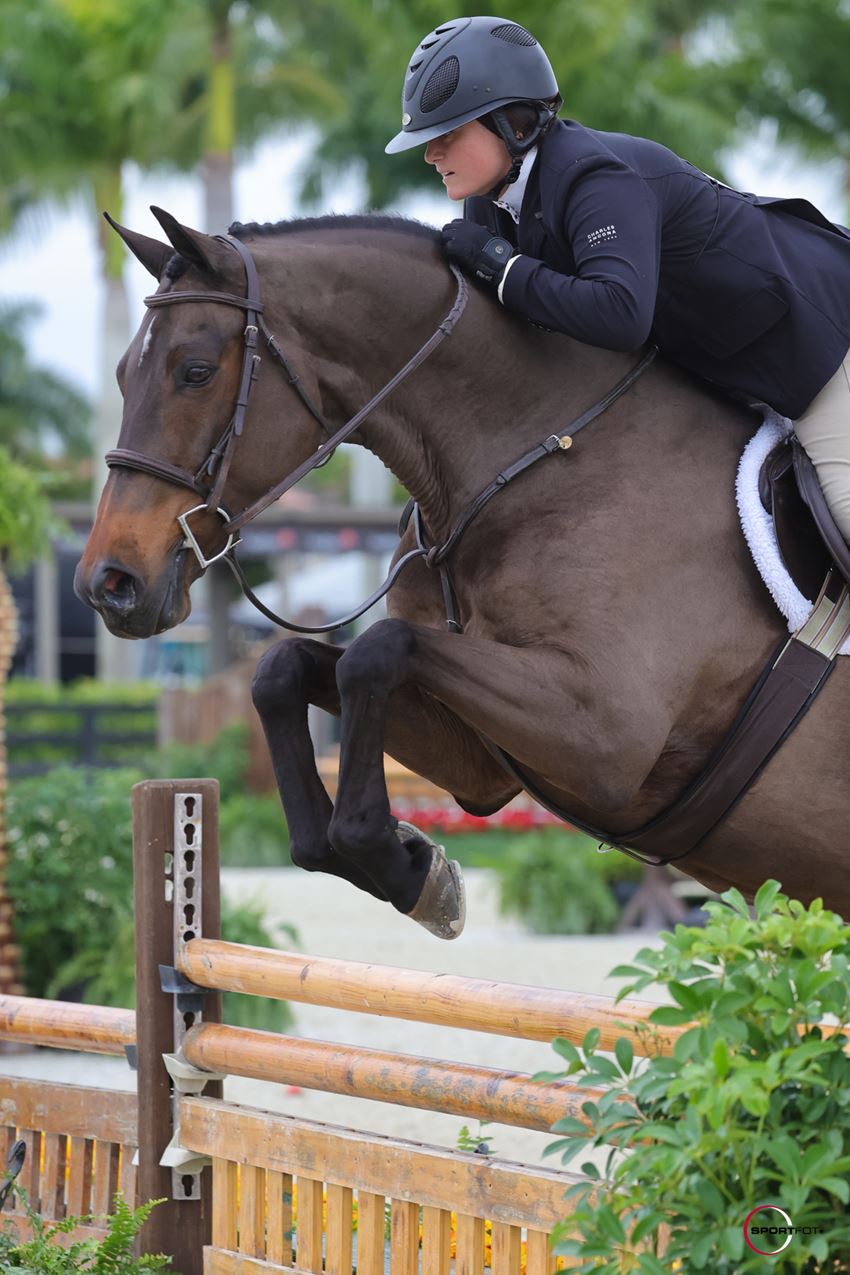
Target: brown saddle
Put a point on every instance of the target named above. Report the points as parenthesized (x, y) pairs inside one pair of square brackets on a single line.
[(808, 539)]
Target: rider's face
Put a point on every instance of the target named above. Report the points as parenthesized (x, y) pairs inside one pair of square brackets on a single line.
[(470, 159)]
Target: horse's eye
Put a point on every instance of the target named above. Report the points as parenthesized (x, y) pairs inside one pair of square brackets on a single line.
[(197, 374)]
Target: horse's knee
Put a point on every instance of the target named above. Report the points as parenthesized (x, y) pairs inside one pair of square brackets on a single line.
[(378, 656), (279, 673), (354, 835), (314, 857)]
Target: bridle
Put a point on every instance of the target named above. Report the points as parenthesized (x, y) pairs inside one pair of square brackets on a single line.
[(209, 480)]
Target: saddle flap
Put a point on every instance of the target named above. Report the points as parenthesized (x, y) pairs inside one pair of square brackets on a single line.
[(802, 547)]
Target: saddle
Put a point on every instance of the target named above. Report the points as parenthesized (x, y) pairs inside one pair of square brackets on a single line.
[(809, 542)]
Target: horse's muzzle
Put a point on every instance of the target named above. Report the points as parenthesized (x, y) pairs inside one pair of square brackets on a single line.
[(127, 605)]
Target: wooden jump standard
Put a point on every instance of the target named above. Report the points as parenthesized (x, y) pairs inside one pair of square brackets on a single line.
[(236, 1217)]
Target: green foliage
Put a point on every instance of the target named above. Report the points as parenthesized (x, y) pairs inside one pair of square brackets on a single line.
[(638, 67), (253, 832), (484, 849), (41, 414), (556, 882), (44, 710), (753, 1107), (25, 518), (86, 690), (70, 877), (70, 870), (44, 1255), (479, 1143), (224, 759)]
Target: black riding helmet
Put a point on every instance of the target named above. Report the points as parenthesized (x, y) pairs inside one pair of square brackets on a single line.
[(468, 68)]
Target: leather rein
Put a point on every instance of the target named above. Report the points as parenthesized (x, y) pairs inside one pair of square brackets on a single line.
[(209, 480)]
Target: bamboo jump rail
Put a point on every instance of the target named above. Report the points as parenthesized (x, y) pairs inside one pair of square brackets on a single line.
[(92, 1029), (458, 1089), (447, 1000)]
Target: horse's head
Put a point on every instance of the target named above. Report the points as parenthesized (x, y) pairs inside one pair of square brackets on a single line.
[(181, 377)]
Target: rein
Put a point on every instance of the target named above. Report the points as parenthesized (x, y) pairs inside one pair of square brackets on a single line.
[(209, 480)]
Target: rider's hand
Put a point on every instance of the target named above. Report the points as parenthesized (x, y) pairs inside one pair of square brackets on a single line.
[(477, 250)]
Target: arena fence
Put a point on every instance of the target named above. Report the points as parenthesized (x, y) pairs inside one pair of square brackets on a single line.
[(248, 1190)]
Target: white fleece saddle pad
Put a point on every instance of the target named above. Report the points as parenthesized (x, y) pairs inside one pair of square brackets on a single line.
[(758, 530)]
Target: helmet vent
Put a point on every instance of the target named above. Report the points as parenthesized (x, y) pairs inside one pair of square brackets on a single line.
[(441, 85), (513, 34), (428, 44)]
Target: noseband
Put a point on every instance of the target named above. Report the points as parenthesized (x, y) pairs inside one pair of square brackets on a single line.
[(209, 480)]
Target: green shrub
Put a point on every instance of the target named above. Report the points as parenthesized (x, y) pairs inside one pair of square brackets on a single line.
[(752, 1108), (225, 758), (253, 832), (26, 520), (70, 877), (556, 882), (70, 869), (42, 716), (45, 1255), (86, 690)]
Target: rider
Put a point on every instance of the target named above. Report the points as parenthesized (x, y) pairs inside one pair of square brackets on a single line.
[(616, 241)]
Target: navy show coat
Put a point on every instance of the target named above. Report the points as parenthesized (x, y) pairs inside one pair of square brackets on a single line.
[(624, 242)]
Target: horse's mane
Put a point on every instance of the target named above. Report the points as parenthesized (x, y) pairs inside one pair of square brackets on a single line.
[(177, 265), (335, 221)]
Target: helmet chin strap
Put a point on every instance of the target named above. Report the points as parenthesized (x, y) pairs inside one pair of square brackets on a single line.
[(518, 147)]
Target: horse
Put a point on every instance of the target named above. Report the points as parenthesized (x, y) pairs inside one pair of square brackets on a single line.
[(611, 619)]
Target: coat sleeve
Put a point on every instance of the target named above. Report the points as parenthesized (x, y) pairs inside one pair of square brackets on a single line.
[(610, 219)]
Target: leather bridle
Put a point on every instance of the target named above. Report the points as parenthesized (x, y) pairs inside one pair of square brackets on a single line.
[(209, 480)]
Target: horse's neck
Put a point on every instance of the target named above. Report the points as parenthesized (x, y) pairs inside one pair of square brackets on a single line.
[(491, 391)]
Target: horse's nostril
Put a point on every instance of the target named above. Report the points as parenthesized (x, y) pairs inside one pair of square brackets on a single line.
[(115, 589), (115, 583)]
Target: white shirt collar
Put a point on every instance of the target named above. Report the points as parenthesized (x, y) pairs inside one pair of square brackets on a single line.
[(512, 202)]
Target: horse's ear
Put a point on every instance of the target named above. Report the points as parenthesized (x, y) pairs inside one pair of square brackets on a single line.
[(201, 250), (152, 253)]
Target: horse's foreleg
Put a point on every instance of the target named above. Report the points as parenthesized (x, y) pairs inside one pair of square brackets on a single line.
[(381, 712), (594, 739), (291, 676)]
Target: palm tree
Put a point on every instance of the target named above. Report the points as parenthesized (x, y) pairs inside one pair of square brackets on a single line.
[(666, 69), (118, 81), (44, 421)]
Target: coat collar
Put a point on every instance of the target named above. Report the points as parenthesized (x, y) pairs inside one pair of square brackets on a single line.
[(515, 193)]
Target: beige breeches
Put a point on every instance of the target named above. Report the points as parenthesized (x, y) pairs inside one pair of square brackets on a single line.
[(824, 431)]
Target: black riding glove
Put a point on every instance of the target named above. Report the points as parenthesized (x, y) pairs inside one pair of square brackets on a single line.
[(477, 250)]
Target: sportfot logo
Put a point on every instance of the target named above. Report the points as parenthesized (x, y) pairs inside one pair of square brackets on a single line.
[(769, 1230)]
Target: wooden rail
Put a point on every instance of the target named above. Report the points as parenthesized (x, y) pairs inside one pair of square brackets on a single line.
[(92, 1029), (459, 1089), (449, 1000)]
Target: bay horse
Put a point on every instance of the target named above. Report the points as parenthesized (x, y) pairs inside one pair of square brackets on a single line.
[(612, 619)]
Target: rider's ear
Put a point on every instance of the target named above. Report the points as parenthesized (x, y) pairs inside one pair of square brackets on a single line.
[(201, 250), (152, 253)]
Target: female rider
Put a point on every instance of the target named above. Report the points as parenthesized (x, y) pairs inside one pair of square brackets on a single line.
[(616, 241)]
